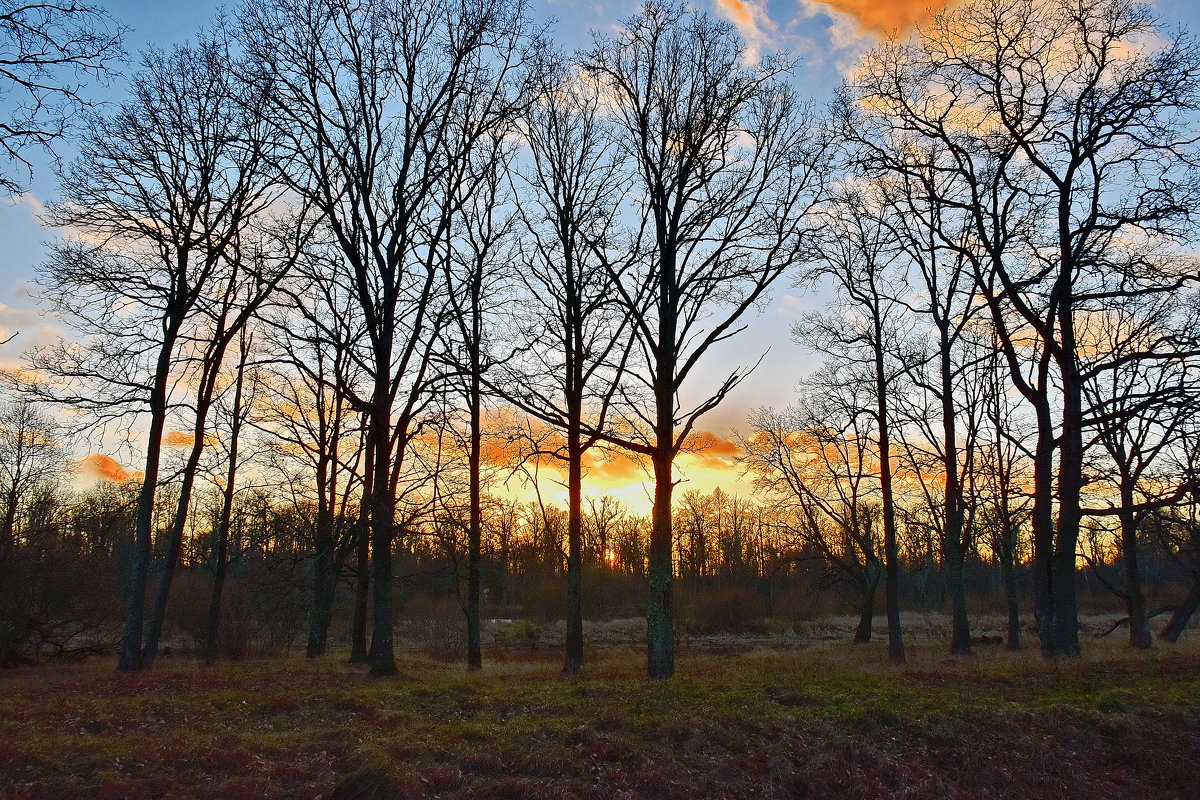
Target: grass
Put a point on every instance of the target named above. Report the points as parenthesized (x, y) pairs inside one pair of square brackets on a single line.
[(824, 720)]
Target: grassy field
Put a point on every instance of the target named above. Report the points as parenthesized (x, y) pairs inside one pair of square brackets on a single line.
[(788, 720)]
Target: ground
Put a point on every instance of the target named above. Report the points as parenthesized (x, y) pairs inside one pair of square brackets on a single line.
[(768, 716)]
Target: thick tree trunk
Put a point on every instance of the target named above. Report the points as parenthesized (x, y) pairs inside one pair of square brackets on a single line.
[(382, 655), (660, 624), (1070, 486), (324, 587), (1043, 533), (866, 618), (960, 635), (1135, 598), (573, 660)]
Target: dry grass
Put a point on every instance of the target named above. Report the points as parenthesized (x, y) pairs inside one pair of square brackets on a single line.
[(786, 719)]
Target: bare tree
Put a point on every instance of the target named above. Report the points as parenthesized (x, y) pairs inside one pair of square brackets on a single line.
[(476, 272), (1139, 391), (30, 453), (1063, 139), (726, 162), (376, 103), (308, 410), (864, 260), (167, 184), (817, 462), (48, 53), (572, 327)]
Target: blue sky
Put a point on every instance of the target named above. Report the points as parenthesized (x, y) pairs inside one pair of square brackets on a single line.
[(825, 40)]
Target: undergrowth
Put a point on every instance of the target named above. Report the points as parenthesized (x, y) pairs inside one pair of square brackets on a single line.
[(826, 721)]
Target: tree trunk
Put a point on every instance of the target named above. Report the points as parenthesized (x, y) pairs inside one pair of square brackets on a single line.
[(960, 636), (866, 618), (891, 564), (1183, 615), (324, 587), (573, 660), (382, 655), (362, 597), (1043, 533), (1135, 598), (475, 525), (1008, 573), (227, 496), (660, 624), (130, 657), (158, 614), (220, 568)]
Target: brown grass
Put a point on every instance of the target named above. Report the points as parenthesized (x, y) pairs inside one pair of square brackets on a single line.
[(777, 720)]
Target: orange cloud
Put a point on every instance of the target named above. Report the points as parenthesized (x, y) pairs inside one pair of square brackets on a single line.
[(738, 12), (886, 17), (98, 465), (713, 452), (178, 439)]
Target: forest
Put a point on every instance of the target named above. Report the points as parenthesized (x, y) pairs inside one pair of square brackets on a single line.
[(351, 284)]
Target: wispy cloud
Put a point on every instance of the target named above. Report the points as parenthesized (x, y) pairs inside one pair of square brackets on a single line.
[(752, 21)]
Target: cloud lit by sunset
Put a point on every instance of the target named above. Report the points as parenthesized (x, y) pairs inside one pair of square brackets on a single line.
[(98, 465), (885, 17)]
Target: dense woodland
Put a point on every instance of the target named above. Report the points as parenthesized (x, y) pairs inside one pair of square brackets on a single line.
[(350, 280)]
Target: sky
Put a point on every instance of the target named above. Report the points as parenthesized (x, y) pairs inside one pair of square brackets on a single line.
[(827, 36)]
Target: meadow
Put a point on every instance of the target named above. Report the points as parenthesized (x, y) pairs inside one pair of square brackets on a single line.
[(771, 716)]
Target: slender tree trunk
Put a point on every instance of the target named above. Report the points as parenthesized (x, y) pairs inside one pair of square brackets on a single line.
[(130, 658), (475, 525), (1183, 615), (8, 528), (1008, 574), (891, 581), (223, 526), (573, 661), (212, 637), (954, 550), (362, 597), (158, 613)]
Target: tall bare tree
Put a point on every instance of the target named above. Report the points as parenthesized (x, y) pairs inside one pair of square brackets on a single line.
[(726, 163), (376, 103), (167, 184), (572, 337), (1063, 136)]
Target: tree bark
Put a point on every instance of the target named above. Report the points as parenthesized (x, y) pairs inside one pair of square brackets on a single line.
[(660, 623), (573, 660), (1183, 615), (475, 525), (866, 618)]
